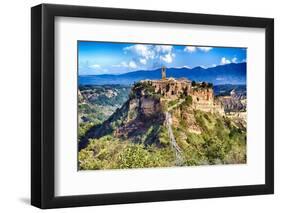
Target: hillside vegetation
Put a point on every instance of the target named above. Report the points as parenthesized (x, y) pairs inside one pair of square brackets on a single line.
[(136, 135)]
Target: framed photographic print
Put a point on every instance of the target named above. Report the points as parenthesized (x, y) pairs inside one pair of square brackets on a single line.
[(140, 106)]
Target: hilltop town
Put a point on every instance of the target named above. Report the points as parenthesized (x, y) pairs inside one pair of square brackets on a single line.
[(202, 93)]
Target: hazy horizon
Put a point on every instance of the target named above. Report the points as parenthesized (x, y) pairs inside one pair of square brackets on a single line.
[(156, 69)]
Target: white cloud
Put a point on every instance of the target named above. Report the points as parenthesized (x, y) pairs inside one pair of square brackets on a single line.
[(234, 60), (168, 58), (154, 54), (220, 79), (224, 61), (164, 48), (180, 67), (132, 65), (192, 49), (94, 66), (144, 51), (189, 49), (165, 53), (205, 49), (124, 64), (116, 65), (143, 61)]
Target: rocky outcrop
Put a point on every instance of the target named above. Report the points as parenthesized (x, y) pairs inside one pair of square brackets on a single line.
[(149, 106), (143, 113), (234, 102)]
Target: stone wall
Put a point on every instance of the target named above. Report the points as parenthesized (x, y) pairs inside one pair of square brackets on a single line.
[(171, 88), (202, 97)]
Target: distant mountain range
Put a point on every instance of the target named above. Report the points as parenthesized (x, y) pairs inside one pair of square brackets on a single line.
[(223, 74)]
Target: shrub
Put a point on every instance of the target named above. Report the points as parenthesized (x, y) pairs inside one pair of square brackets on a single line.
[(163, 137), (210, 85), (204, 84), (193, 83), (188, 100)]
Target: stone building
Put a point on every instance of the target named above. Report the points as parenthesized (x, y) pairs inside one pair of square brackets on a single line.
[(163, 73), (171, 88), (202, 96), (203, 99)]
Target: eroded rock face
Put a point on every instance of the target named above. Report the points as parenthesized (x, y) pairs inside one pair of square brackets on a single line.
[(233, 103), (133, 109), (143, 107), (149, 106), (143, 113)]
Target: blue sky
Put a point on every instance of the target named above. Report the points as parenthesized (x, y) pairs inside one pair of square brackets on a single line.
[(96, 58)]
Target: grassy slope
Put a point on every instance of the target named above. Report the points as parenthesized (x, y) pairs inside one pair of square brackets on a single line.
[(220, 142)]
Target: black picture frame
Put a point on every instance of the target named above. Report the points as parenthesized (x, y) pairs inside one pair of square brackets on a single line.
[(43, 102)]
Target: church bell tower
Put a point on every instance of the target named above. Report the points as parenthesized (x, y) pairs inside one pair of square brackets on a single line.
[(163, 72)]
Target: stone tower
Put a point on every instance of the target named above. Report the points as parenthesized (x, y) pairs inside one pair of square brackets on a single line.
[(163, 72)]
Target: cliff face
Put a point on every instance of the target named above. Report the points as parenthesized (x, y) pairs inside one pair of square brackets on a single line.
[(149, 106), (234, 102), (143, 121)]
